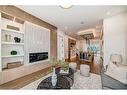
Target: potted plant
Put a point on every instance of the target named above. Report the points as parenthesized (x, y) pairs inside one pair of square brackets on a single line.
[(64, 67)]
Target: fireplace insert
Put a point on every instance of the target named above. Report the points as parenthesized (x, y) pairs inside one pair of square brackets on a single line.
[(34, 57)]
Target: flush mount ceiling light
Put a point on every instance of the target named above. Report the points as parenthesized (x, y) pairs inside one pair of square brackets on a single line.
[(66, 6)]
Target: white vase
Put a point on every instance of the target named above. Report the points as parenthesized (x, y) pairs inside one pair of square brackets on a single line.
[(54, 78)]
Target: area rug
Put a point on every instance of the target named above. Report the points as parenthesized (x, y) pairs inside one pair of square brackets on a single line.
[(91, 82), (80, 82)]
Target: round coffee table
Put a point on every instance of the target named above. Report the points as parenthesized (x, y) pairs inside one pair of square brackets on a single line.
[(69, 76), (64, 81)]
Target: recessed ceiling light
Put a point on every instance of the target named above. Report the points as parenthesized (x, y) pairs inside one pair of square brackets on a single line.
[(66, 6)]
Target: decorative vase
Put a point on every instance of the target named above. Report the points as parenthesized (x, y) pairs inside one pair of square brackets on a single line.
[(54, 78), (13, 52), (7, 38), (17, 40)]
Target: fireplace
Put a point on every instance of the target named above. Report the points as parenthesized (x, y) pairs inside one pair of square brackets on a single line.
[(34, 57)]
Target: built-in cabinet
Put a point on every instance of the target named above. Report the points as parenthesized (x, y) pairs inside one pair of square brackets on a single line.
[(18, 39), (37, 40), (34, 39), (12, 41)]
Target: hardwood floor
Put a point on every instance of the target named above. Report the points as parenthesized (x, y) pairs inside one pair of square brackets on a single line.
[(23, 81)]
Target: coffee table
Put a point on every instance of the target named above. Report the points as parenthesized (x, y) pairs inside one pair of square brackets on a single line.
[(64, 81)]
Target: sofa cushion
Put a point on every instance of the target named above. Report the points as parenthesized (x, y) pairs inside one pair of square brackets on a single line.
[(117, 72)]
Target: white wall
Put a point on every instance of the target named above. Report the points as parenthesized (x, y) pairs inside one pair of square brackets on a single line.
[(60, 44), (37, 39), (115, 37), (126, 37), (0, 45)]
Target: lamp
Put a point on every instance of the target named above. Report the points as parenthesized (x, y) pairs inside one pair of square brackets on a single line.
[(116, 58)]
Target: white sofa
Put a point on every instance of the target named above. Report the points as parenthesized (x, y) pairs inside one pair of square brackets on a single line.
[(118, 72)]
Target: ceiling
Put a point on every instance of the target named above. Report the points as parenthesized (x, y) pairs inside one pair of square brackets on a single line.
[(74, 19)]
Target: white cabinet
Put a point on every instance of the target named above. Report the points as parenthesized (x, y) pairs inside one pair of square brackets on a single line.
[(8, 43), (37, 39)]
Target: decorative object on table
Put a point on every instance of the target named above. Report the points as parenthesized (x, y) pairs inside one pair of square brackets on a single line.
[(17, 40), (116, 59), (56, 63), (13, 27), (14, 64), (7, 38), (62, 64), (13, 52), (54, 78), (64, 67)]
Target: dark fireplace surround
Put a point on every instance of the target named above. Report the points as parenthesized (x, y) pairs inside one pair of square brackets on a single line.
[(40, 56)]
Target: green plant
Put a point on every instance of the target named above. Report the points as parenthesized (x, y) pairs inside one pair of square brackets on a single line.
[(64, 66), (13, 52)]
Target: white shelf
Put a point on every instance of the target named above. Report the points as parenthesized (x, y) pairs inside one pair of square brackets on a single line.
[(9, 30), (12, 43), (8, 43), (8, 56)]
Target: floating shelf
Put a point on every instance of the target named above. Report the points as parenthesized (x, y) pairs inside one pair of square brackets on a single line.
[(8, 56), (12, 43), (9, 30)]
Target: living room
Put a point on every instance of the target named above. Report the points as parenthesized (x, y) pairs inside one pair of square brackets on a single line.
[(36, 42)]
